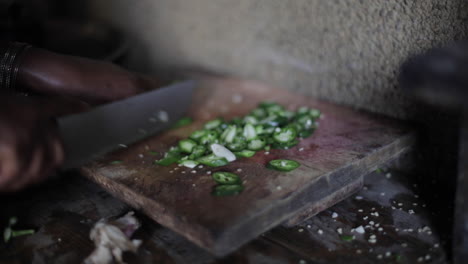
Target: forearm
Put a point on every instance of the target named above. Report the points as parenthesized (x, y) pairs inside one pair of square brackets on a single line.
[(39, 71), (51, 73)]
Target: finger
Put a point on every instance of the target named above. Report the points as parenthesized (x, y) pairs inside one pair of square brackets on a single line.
[(33, 156), (28, 155), (9, 166), (55, 157), (54, 144), (58, 151), (47, 155), (29, 171)]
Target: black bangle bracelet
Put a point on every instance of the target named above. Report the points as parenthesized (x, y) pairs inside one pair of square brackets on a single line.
[(9, 65)]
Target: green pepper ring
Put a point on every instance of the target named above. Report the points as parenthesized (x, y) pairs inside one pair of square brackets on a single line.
[(283, 165), (226, 178)]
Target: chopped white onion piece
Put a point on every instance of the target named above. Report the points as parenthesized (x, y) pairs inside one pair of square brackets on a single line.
[(221, 151), (189, 164)]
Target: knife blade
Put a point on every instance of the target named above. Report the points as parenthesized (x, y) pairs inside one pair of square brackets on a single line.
[(89, 135)]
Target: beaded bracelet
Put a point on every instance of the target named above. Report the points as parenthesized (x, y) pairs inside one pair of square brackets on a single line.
[(9, 64)]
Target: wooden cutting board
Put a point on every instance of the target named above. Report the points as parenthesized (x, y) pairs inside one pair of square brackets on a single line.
[(347, 145)]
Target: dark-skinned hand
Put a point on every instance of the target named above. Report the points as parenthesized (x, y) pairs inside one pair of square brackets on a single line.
[(30, 147)]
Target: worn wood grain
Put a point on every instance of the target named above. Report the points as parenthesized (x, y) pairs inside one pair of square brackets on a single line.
[(318, 206), (347, 145), (389, 207)]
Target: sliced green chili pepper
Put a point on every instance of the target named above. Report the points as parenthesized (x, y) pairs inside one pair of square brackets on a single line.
[(269, 130), (189, 163), (287, 145), (303, 110), (347, 238), (210, 138), (239, 144), (266, 104), (187, 145), (229, 134), (268, 126), (115, 162), (275, 121), (223, 126), (272, 107), (226, 178), (213, 161), (305, 121), (227, 190), (287, 114), (213, 124), (196, 135), (249, 132), (171, 157), (283, 165), (256, 144), (173, 151), (197, 152), (245, 154), (259, 129), (315, 113), (237, 121), (169, 160), (285, 135), (259, 113), (183, 122), (250, 120)]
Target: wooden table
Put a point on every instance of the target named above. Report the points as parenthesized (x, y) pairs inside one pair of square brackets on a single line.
[(63, 211)]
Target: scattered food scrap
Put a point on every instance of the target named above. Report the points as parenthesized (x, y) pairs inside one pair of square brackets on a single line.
[(112, 238), (10, 233)]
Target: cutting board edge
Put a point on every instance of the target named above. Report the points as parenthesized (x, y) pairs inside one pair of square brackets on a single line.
[(311, 209), (303, 216), (403, 144), (117, 189), (215, 243)]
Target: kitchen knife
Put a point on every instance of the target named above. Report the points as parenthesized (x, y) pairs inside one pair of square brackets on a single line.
[(89, 135)]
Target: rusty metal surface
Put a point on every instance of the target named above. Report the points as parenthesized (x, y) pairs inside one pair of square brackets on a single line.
[(63, 211)]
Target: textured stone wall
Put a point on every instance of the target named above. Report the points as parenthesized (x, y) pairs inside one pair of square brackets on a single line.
[(346, 51)]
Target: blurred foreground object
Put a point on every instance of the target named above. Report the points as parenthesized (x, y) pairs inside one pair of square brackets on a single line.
[(440, 77)]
